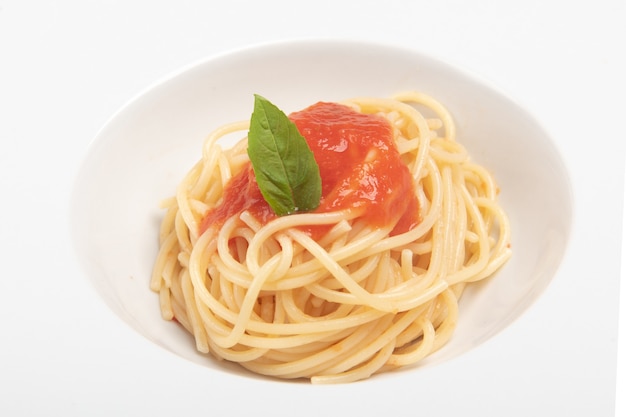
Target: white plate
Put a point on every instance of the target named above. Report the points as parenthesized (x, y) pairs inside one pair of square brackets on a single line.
[(141, 154)]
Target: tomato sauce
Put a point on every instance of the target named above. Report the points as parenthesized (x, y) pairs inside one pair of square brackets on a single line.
[(360, 168)]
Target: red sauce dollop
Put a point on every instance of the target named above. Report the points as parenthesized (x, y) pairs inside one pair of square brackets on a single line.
[(360, 167)]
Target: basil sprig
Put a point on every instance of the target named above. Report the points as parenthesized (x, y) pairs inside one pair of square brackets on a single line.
[(284, 166)]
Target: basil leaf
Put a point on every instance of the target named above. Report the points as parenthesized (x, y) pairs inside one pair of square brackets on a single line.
[(284, 166)]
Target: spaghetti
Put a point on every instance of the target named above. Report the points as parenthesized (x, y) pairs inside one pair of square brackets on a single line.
[(332, 295)]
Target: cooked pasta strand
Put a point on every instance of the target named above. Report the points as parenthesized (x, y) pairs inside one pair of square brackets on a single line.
[(354, 302)]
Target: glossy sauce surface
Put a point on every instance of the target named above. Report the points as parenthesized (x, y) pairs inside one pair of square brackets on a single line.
[(360, 168)]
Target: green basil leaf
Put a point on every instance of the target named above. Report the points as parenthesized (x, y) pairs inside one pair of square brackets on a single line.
[(284, 166)]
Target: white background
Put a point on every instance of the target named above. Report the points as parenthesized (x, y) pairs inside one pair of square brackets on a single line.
[(67, 66)]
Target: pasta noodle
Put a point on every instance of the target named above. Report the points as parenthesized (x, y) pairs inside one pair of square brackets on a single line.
[(353, 302)]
